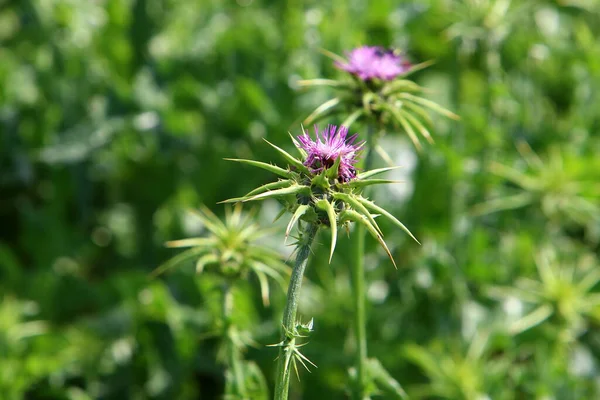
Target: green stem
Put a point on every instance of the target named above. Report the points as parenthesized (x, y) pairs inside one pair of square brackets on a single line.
[(358, 287), (360, 329), (234, 381), (282, 382)]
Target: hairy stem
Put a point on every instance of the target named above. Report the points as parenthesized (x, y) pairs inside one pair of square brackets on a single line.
[(282, 382)]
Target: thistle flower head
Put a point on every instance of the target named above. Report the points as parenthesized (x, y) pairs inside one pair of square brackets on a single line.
[(322, 187), (380, 91), (374, 62), (329, 145)]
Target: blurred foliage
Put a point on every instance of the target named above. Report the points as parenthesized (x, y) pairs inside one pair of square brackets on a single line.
[(115, 117)]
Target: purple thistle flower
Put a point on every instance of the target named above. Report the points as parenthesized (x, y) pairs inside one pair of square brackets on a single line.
[(330, 144), (369, 62)]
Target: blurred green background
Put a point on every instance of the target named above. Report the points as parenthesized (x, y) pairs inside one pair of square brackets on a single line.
[(115, 117)]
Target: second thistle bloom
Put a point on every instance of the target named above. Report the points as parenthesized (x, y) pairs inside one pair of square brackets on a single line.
[(373, 62), (329, 145)]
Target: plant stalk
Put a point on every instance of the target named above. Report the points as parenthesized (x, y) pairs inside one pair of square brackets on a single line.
[(360, 328), (282, 382), (358, 287), (234, 378)]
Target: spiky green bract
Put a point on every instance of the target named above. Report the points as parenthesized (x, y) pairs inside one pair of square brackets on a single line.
[(323, 199), (230, 249), (397, 102)]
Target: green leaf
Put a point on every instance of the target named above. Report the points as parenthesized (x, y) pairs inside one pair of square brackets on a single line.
[(289, 158), (400, 85), (376, 208), (178, 259), (503, 203), (330, 210), (352, 118), (294, 189), (384, 380), (429, 104), (210, 220), (270, 186), (332, 172), (295, 217), (333, 56), (532, 319), (418, 110), (405, 125), (418, 67), (322, 110), (353, 202), (361, 183), (325, 82), (204, 260), (302, 152), (191, 242), (269, 167), (373, 172), (320, 180), (416, 123), (280, 214), (515, 176), (352, 215)]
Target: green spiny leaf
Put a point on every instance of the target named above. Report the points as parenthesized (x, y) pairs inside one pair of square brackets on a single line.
[(178, 259), (320, 180), (376, 208), (384, 379), (333, 56), (418, 110), (322, 110), (418, 67), (416, 123), (302, 152), (191, 242), (289, 158), (332, 172), (405, 125), (325, 82), (429, 104), (504, 203), (353, 202), (373, 172), (270, 186), (295, 217), (400, 85), (204, 260), (294, 189), (352, 118), (361, 183), (330, 210), (269, 167), (356, 217)]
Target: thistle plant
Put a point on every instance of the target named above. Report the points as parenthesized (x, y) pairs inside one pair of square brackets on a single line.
[(563, 299), (322, 188), (377, 90), (562, 186), (231, 252), (469, 373)]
